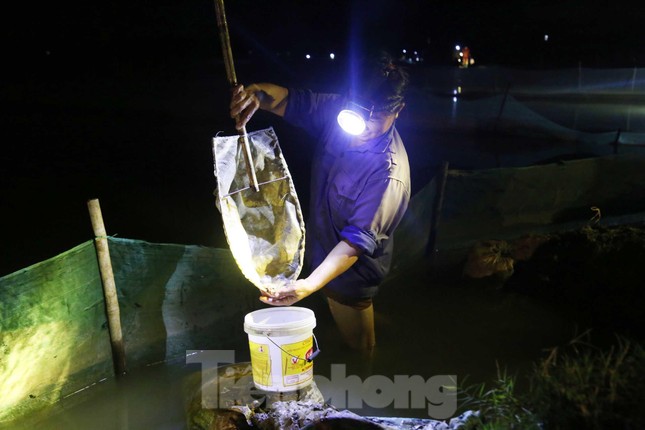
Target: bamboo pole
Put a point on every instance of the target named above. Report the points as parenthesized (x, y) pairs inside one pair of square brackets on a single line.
[(109, 287), (227, 53)]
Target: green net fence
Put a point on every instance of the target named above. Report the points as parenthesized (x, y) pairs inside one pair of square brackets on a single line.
[(509, 202), (53, 329)]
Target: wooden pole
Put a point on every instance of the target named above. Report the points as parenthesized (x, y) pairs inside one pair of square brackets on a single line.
[(109, 287), (437, 206), (227, 53)]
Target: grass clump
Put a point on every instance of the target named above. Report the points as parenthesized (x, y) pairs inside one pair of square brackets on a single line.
[(499, 406), (578, 386), (585, 386)]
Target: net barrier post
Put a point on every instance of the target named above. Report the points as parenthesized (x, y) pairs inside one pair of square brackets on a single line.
[(109, 287), (437, 206), (616, 142)]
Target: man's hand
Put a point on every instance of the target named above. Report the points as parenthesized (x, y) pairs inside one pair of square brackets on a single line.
[(290, 294), (244, 103), (337, 261)]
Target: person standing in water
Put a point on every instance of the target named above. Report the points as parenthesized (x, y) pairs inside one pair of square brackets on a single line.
[(360, 190)]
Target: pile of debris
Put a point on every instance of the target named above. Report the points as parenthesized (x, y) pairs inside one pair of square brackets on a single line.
[(294, 415), (241, 406)]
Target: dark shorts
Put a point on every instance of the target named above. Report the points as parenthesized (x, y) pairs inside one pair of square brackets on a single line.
[(358, 303)]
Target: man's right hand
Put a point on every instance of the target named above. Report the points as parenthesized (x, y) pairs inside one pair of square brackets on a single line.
[(244, 103)]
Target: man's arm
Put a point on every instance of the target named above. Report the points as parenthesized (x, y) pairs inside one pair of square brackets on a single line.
[(341, 258), (245, 101)]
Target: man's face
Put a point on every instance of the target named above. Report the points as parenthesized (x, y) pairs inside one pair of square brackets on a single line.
[(378, 125)]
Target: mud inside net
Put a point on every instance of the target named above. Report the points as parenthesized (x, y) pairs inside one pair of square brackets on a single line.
[(264, 229)]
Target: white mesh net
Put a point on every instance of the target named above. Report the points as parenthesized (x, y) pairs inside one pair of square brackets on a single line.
[(264, 229)]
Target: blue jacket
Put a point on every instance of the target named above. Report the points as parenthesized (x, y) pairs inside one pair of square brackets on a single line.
[(357, 193)]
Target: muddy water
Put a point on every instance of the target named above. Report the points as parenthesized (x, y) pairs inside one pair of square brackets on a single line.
[(149, 398), (424, 328)]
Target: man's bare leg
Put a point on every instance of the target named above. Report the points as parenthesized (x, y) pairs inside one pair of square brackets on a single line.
[(356, 326)]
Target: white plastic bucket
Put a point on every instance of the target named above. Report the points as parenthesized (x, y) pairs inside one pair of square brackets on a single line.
[(281, 344)]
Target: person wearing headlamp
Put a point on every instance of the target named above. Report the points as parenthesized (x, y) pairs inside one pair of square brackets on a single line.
[(360, 189)]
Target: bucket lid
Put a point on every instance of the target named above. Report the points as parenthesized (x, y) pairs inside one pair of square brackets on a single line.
[(279, 321)]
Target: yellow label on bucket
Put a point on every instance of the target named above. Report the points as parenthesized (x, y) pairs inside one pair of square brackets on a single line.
[(295, 367), (260, 363)]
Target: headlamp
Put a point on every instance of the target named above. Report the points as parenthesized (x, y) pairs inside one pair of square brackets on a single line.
[(352, 119)]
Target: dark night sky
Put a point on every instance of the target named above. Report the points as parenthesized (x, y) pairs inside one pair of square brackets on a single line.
[(115, 99), (598, 33)]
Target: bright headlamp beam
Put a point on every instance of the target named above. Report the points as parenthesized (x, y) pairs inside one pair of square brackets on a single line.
[(351, 122), (353, 119)]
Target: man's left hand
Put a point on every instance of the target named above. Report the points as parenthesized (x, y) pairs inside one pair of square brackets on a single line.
[(290, 294)]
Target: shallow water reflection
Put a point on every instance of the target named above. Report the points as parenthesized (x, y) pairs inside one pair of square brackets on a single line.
[(423, 328)]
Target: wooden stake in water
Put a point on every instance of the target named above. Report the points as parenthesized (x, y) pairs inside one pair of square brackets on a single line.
[(437, 206), (109, 287)]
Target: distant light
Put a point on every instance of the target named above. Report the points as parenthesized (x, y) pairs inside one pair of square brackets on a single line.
[(454, 91), (332, 55), (416, 53), (308, 57), (405, 51), (461, 54), (454, 99), (418, 59), (459, 89), (546, 37), (457, 48)]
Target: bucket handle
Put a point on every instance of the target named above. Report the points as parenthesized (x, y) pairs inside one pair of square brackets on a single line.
[(308, 360)]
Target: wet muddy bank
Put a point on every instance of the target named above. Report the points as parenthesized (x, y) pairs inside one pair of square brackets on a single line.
[(594, 274)]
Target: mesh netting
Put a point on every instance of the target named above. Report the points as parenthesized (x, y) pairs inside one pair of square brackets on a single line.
[(264, 228)]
